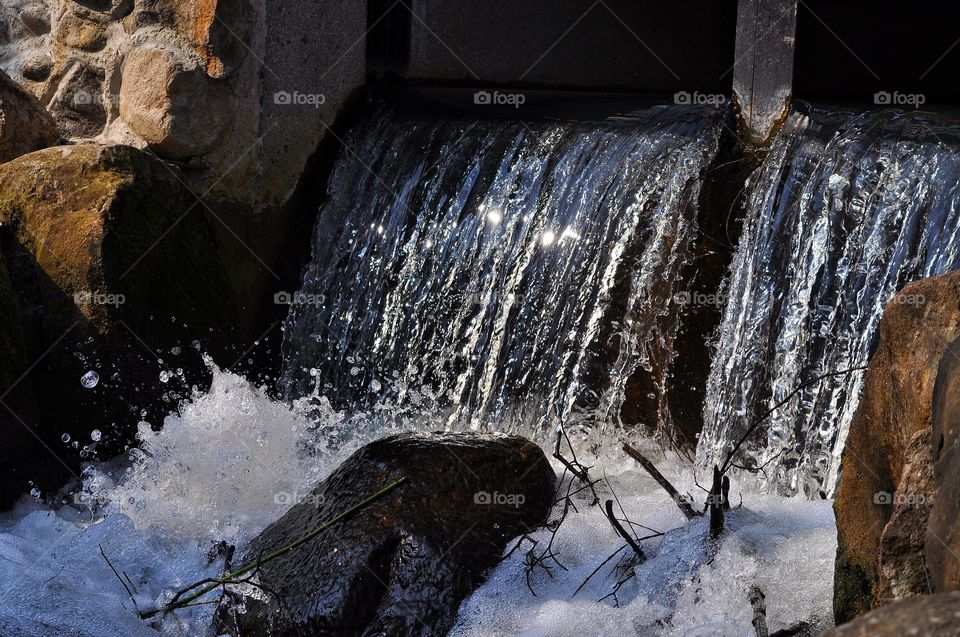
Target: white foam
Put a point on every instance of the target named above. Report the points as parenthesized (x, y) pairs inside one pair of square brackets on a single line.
[(213, 473)]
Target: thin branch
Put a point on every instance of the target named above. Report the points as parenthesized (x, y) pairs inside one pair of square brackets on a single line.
[(797, 390), (177, 602), (623, 532), (681, 501)]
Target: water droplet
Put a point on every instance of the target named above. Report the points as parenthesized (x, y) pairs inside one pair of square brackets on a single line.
[(196, 345), (354, 371), (175, 350), (375, 385), (35, 492), (90, 379), (164, 376), (96, 435), (65, 437)]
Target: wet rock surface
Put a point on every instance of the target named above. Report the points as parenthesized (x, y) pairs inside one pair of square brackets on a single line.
[(403, 565), (931, 615), (886, 489), (111, 275), (943, 527)]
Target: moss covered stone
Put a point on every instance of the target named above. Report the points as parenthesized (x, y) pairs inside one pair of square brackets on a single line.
[(115, 269)]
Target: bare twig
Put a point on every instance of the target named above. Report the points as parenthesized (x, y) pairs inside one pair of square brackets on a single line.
[(681, 501), (209, 584), (757, 600), (623, 532), (762, 417)]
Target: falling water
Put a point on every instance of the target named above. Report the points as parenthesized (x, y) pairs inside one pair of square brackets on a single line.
[(846, 210), (498, 273)]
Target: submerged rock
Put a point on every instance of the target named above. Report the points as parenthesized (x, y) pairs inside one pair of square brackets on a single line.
[(886, 490), (403, 565), (24, 124), (925, 615)]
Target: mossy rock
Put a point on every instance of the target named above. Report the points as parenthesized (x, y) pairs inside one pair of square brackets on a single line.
[(114, 268)]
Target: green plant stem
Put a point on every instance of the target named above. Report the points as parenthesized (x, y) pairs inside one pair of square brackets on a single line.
[(280, 552)]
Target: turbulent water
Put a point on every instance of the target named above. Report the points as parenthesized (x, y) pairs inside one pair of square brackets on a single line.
[(500, 274), (846, 209)]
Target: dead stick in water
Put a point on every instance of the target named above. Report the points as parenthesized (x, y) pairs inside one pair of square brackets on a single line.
[(177, 602), (622, 532), (681, 501), (757, 600)]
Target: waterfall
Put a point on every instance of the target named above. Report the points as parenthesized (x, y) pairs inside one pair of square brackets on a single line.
[(846, 209), (500, 274)]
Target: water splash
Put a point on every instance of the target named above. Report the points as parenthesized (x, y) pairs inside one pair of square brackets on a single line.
[(845, 211), (514, 274)]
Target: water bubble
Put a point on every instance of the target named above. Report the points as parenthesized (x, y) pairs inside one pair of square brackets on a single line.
[(96, 435), (90, 379), (175, 350), (196, 345), (164, 376), (354, 371), (65, 437), (375, 385), (35, 492)]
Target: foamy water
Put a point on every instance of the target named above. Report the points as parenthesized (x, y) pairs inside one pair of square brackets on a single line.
[(235, 460)]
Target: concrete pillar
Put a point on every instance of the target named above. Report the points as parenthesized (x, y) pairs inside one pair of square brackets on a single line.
[(763, 66)]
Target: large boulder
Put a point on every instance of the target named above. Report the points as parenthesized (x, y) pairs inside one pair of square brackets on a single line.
[(115, 274), (24, 124), (943, 528), (925, 615), (886, 490), (403, 565)]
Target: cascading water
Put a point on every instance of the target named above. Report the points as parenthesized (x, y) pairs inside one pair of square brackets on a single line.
[(846, 209), (500, 274)]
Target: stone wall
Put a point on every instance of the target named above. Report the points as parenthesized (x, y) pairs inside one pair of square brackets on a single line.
[(239, 93)]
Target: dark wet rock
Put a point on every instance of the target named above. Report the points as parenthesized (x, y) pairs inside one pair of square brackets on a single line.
[(883, 462), (943, 528), (927, 615), (402, 566), (24, 124), (17, 421), (112, 267)]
